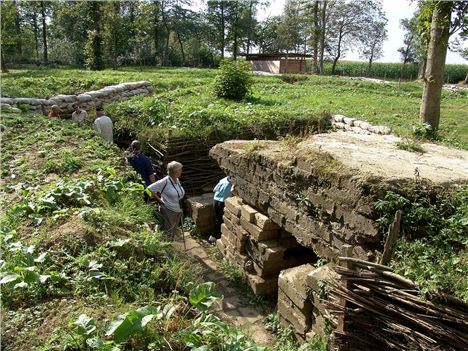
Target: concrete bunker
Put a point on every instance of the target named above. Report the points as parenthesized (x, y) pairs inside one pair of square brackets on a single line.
[(311, 198)]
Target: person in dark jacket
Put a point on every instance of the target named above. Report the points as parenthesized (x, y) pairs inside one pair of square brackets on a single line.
[(141, 163)]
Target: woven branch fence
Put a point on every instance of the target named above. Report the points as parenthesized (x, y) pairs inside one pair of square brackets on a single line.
[(373, 308)]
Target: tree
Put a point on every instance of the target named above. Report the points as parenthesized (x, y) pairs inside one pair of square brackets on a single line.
[(408, 51), (372, 43), (268, 35), (94, 52), (348, 25), (441, 29), (44, 30)]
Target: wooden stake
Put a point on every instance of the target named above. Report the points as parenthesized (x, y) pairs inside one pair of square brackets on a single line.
[(393, 232)]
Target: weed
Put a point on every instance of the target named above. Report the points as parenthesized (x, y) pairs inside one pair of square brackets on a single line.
[(254, 145), (409, 145)]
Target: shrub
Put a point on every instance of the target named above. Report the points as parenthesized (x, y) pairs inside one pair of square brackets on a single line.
[(234, 81)]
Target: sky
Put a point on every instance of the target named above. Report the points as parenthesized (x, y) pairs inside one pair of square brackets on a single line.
[(395, 11)]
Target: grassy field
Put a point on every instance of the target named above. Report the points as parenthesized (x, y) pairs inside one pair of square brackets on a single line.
[(184, 100), (84, 266)]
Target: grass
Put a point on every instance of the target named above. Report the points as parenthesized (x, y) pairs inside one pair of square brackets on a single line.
[(78, 243), (184, 101), (409, 145)]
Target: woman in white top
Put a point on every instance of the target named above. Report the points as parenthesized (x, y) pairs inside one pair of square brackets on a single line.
[(168, 193)]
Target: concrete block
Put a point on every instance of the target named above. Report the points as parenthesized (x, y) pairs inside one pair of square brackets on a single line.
[(292, 282), (262, 286), (264, 223), (300, 322), (257, 233), (248, 213), (233, 205)]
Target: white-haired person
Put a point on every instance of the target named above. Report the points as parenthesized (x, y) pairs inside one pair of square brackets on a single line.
[(169, 194)]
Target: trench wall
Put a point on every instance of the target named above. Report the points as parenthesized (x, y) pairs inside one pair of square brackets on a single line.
[(322, 207)]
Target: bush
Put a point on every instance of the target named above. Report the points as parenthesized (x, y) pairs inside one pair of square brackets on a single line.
[(234, 81)]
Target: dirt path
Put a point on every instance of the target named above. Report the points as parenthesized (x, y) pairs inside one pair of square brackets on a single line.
[(233, 308)]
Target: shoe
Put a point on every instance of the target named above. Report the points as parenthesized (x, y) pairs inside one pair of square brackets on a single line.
[(212, 239)]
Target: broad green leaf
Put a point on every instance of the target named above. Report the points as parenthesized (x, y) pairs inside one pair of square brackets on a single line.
[(41, 257), (9, 278), (85, 325), (37, 221), (20, 285), (203, 296), (119, 242), (126, 324), (44, 278)]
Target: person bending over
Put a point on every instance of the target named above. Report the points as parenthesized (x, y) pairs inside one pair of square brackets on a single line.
[(222, 191)]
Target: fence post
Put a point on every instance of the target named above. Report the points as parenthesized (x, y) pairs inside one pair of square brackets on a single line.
[(393, 231)]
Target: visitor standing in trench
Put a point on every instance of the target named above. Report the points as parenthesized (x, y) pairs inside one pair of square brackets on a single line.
[(141, 164), (169, 194), (103, 125), (79, 115), (54, 112), (222, 191)]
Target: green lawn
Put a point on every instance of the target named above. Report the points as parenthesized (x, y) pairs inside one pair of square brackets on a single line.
[(188, 101)]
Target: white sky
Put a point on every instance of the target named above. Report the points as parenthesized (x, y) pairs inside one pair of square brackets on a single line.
[(395, 10)]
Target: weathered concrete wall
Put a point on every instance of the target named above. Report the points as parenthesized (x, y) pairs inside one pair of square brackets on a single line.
[(86, 100), (323, 190)]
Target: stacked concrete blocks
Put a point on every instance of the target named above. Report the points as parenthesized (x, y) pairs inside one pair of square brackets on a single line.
[(201, 208), (257, 245), (300, 304)]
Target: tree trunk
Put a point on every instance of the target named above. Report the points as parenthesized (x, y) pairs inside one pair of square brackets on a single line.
[(36, 33), (168, 34), (19, 46), (3, 64), (466, 79), (181, 48), (44, 31), (222, 30), (433, 80), (322, 34), (315, 68), (422, 68), (338, 53), (156, 28), (249, 33)]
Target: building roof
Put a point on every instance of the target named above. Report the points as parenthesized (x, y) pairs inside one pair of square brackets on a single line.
[(278, 56)]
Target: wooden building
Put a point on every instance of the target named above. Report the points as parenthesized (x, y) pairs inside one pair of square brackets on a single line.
[(278, 63)]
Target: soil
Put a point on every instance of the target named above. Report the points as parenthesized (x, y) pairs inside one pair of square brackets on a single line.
[(233, 308)]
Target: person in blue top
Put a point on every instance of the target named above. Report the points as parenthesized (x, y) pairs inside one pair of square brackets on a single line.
[(222, 191), (141, 163)]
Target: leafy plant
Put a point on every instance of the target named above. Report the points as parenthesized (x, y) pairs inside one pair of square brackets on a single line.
[(234, 81), (254, 145), (203, 296), (424, 131), (409, 145)]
